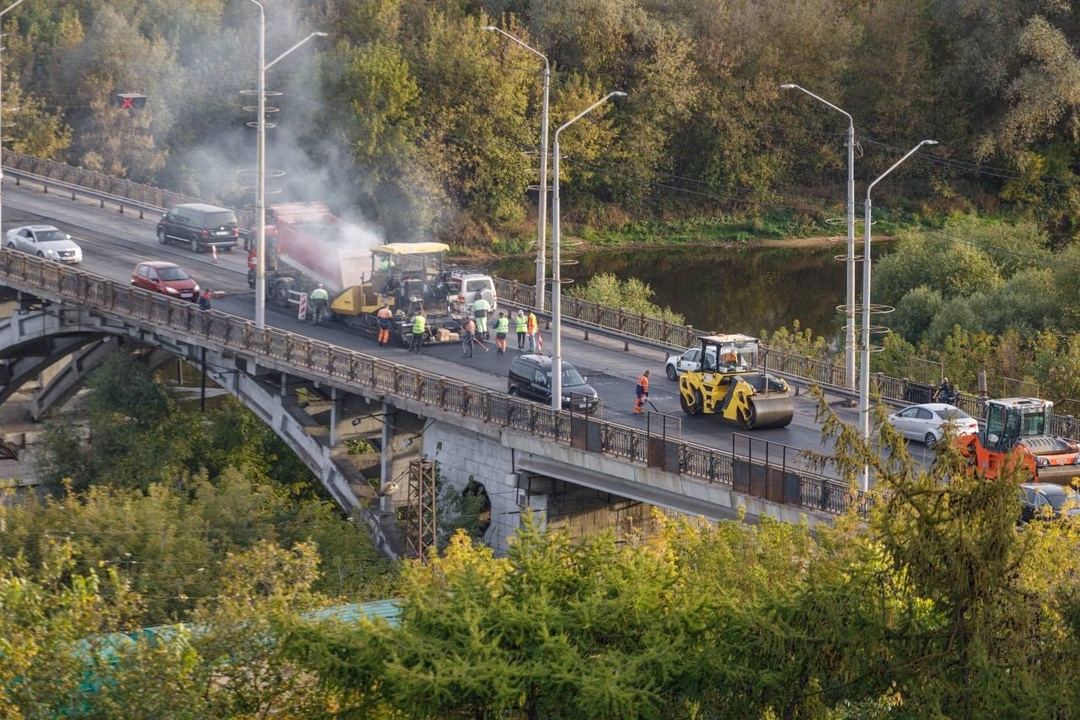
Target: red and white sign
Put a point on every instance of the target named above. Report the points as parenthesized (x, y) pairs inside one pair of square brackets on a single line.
[(301, 314)]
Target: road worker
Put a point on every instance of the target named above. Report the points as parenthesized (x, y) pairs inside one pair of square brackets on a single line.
[(502, 327), (320, 304), (521, 325), (642, 393), (385, 318), (480, 310), (419, 329), (532, 329)]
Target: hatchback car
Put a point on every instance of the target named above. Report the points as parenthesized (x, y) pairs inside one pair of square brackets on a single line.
[(166, 278), (45, 241), (689, 361), (1045, 501), (928, 422), (530, 377)]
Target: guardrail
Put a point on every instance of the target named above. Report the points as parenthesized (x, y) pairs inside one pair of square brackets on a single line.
[(349, 369), (80, 182)]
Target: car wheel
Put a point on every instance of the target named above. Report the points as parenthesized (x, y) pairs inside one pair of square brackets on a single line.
[(513, 390), (41, 255), (161, 236), (930, 440), (195, 246), (11, 245), (672, 373)]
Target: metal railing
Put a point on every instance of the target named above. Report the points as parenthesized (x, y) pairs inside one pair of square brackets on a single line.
[(630, 327), (350, 370)]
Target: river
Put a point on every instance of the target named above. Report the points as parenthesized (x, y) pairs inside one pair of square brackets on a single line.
[(725, 289)]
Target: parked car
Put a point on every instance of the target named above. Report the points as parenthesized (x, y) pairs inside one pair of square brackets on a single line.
[(166, 278), (689, 361), (530, 377), (1045, 501), (200, 226), (45, 241), (928, 422)]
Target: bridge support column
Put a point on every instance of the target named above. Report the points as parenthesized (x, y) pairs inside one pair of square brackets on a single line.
[(386, 457)]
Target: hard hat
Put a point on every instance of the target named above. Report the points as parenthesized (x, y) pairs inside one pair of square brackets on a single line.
[(521, 312)]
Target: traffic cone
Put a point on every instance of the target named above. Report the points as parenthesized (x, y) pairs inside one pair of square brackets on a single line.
[(213, 251)]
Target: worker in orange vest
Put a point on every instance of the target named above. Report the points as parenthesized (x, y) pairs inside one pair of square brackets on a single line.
[(385, 317), (642, 393)]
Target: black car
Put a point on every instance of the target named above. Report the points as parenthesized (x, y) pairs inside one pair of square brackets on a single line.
[(1045, 501), (200, 226), (530, 377)]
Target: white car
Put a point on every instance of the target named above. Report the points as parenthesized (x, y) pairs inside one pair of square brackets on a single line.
[(928, 422), (688, 361), (45, 241)]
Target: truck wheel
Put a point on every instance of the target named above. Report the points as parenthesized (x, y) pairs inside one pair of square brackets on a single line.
[(195, 246), (161, 236), (281, 294)]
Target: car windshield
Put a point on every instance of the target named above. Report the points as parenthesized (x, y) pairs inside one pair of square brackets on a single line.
[(172, 273), (570, 376), (1058, 501), (51, 236), (952, 415)]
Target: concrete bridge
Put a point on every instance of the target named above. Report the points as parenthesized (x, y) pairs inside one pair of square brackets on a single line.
[(315, 395)]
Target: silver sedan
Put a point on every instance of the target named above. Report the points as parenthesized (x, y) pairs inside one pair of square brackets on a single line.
[(45, 241)]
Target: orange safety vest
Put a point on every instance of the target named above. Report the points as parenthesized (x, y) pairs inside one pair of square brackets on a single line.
[(643, 385), (384, 313), (532, 324)]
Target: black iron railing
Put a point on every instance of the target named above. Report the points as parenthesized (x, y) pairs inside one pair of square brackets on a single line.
[(323, 362)]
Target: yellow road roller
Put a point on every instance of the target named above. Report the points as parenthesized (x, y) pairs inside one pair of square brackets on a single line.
[(729, 383)]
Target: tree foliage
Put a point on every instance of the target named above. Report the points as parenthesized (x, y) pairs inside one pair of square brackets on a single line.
[(631, 295)]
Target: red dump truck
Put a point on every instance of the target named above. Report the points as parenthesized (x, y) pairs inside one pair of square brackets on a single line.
[(307, 244)]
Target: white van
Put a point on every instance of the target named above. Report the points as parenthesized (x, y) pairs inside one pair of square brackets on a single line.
[(463, 289)]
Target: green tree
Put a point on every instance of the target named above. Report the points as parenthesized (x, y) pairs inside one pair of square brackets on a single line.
[(631, 295)]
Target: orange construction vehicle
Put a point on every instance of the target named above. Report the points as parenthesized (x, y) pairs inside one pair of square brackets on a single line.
[(1015, 439)]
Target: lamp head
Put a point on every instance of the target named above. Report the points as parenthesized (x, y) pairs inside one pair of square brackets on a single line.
[(490, 28), (788, 86), (319, 34), (618, 93)]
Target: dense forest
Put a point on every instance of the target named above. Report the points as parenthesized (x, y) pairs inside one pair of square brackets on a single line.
[(412, 116)]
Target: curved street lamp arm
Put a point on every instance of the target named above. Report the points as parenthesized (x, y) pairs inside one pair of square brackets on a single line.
[(508, 36), (294, 47), (896, 164), (586, 111), (793, 86)]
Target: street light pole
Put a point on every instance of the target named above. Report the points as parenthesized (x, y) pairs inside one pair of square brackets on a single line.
[(260, 161), (864, 368), (3, 12), (541, 222), (849, 307), (556, 281)]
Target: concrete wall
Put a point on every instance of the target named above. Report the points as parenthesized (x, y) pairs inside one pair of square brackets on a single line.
[(581, 511), (463, 455)]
